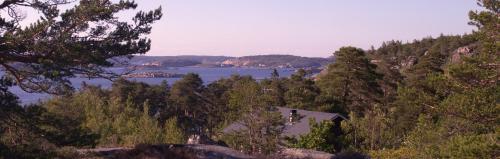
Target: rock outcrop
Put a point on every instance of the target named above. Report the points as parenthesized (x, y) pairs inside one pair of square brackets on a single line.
[(461, 52), (408, 62)]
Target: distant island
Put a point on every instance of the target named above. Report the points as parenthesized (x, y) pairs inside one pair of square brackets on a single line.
[(156, 74), (260, 61)]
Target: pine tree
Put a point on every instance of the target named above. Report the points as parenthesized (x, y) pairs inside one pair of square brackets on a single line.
[(188, 103), (275, 88), (351, 82), (302, 92), (81, 40), (473, 106)]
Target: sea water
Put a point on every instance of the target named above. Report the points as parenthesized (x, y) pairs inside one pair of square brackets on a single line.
[(208, 75)]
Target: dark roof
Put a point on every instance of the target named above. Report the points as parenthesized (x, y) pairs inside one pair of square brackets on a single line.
[(300, 127)]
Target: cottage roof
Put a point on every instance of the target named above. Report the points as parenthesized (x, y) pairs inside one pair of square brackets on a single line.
[(299, 127)]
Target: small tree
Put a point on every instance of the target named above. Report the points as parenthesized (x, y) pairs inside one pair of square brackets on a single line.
[(262, 123), (172, 133), (320, 138)]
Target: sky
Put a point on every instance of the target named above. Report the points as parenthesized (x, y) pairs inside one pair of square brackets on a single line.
[(313, 28)]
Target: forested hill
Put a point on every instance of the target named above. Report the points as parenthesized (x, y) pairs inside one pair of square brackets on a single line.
[(428, 51), (177, 61), (268, 61), (404, 58), (395, 54), (278, 61)]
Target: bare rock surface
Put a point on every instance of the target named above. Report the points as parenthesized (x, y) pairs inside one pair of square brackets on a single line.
[(166, 151), (213, 151), (305, 153), (194, 151)]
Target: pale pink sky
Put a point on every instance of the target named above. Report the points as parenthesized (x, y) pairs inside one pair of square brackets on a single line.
[(314, 28)]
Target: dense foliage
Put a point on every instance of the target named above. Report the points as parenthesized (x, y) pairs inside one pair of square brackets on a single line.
[(120, 121), (32, 131), (320, 138)]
